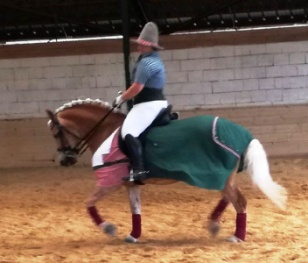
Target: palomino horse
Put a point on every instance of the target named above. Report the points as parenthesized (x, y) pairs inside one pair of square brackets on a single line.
[(203, 151)]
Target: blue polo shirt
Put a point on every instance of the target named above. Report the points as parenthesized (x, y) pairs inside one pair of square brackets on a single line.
[(150, 71)]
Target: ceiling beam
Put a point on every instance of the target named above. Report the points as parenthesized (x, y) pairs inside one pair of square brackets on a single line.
[(202, 15), (141, 11), (54, 17)]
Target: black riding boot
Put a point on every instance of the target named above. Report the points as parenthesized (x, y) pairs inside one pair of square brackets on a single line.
[(134, 149)]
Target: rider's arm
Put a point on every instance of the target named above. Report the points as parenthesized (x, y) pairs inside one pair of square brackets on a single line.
[(132, 91), (143, 72)]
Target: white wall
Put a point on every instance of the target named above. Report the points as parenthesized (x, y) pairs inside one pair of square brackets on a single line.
[(207, 77)]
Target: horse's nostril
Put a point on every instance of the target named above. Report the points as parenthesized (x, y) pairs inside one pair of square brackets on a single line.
[(67, 160), (63, 163), (71, 159)]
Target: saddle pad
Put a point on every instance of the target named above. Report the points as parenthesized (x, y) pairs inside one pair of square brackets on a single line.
[(202, 151)]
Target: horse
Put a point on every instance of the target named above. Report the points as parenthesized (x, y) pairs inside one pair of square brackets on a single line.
[(204, 151)]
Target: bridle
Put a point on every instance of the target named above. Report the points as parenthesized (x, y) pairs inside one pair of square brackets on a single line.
[(60, 134), (69, 152)]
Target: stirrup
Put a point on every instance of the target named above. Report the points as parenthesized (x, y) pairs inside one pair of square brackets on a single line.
[(136, 177)]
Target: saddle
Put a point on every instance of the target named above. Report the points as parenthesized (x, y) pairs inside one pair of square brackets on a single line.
[(164, 117)]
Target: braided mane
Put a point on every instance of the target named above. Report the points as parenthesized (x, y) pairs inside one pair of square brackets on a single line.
[(83, 102)]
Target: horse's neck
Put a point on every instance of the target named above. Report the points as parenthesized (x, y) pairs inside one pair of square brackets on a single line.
[(104, 131), (99, 119)]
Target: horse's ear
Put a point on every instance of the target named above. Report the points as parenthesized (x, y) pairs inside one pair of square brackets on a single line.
[(51, 115)]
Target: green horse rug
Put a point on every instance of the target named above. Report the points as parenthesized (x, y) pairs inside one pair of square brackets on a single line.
[(202, 151)]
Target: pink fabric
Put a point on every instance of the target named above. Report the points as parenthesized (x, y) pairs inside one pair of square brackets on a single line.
[(110, 176)]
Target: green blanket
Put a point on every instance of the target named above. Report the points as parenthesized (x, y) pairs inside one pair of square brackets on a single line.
[(199, 150)]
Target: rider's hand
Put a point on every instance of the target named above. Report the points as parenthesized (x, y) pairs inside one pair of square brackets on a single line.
[(118, 101)]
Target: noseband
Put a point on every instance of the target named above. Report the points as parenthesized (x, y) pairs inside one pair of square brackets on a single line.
[(60, 134)]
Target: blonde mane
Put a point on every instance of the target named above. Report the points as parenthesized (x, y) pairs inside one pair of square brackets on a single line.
[(83, 102)]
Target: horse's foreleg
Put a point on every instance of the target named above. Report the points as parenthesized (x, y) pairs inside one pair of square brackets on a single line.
[(135, 207), (98, 194), (233, 193)]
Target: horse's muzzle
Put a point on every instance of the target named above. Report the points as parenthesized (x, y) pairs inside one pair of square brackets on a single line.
[(67, 158)]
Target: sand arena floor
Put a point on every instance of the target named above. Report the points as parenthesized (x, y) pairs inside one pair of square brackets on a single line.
[(43, 219)]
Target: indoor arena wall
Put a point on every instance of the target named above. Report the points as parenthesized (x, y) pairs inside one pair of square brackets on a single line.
[(257, 78)]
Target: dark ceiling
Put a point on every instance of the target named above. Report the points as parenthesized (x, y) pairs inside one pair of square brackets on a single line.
[(58, 19)]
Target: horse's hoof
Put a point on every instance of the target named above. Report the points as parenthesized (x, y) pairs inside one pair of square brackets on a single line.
[(234, 239), (130, 239), (109, 229), (214, 228)]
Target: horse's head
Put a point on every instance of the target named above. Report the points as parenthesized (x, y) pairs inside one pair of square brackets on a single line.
[(79, 124), (67, 153)]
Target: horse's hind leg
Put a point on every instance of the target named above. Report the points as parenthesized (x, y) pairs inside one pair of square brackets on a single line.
[(233, 193), (97, 195), (215, 216), (135, 207)]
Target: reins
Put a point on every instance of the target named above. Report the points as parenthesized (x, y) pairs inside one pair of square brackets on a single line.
[(82, 146)]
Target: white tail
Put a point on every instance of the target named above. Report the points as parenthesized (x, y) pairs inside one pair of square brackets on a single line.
[(258, 167)]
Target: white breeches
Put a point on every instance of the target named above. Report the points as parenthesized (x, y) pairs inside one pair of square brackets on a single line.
[(141, 116)]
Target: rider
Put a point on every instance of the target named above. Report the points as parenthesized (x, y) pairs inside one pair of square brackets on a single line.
[(146, 90)]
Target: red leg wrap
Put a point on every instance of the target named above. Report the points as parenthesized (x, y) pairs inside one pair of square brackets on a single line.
[(216, 214), (240, 231), (136, 222), (94, 215)]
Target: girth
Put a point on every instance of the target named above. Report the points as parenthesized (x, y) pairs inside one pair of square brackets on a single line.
[(126, 160)]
